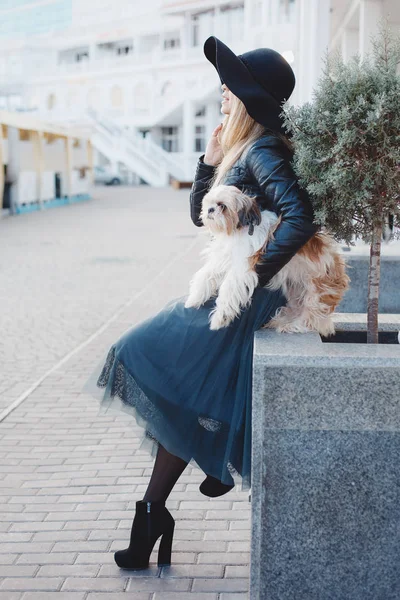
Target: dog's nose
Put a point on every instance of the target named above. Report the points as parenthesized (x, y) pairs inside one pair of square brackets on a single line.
[(211, 210)]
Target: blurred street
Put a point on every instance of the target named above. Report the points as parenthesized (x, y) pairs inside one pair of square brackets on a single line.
[(72, 280)]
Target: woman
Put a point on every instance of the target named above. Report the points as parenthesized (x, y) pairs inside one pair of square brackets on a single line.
[(190, 387)]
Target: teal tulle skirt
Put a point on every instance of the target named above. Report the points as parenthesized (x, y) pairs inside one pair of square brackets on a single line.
[(189, 388)]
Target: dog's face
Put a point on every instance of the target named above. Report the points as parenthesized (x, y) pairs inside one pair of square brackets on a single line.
[(225, 208)]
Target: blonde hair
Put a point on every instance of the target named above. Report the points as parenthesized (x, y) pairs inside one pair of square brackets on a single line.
[(239, 132)]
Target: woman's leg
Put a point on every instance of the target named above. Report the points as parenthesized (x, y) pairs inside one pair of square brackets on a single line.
[(166, 472)]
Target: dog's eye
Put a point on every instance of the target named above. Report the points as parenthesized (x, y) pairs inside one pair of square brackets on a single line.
[(221, 205)]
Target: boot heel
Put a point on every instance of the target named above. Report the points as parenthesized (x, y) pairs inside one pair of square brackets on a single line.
[(164, 550)]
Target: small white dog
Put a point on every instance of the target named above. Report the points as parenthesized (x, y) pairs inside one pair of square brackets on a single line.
[(313, 281)]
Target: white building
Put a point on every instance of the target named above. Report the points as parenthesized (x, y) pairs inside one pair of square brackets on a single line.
[(137, 72)]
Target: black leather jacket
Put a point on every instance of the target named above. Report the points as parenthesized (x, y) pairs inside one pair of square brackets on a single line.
[(265, 171)]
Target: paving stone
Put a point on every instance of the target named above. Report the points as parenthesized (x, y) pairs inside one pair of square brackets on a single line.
[(32, 527), (67, 571), (220, 585), (20, 547), (143, 584), (112, 570), (53, 596), (233, 558), (185, 596), (71, 477), (60, 558), (237, 571), (95, 558), (17, 571), (239, 546), (8, 559), (105, 584), (233, 596), (118, 596), (192, 571), (90, 525), (60, 536), (230, 535), (27, 584)]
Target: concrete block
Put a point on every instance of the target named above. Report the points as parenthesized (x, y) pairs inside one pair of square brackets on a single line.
[(325, 469)]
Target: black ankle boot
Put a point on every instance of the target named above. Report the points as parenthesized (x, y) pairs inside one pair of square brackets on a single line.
[(152, 519), (213, 487)]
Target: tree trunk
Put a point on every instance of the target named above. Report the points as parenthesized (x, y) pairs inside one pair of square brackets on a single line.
[(373, 284)]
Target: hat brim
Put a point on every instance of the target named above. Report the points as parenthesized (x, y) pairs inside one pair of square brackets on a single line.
[(260, 105)]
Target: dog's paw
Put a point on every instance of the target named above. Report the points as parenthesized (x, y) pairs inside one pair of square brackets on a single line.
[(219, 320), (191, 304), (194, 302)]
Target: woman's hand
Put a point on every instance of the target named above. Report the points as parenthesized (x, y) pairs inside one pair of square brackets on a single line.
[(213, 154)]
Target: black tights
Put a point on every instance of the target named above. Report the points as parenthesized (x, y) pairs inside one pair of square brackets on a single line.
[(166, 472)]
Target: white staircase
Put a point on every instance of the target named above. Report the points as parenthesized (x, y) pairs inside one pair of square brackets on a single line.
[(140, 155)]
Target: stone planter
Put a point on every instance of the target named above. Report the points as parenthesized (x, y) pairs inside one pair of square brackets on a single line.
[(355, 299), (326, 466)]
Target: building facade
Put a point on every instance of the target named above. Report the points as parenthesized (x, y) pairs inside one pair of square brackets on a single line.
[(136, 72)]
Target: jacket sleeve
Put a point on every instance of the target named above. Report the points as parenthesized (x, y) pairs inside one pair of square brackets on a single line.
[(274, 175), (202, 179)]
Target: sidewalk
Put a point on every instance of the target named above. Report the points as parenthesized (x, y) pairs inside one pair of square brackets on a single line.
[(69, 477)]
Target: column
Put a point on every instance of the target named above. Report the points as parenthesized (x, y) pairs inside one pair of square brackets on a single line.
[(1, 168), (188, 134), (185, 35), (266, 12), (273, 8), (89, 149), (38, 153), (247, 18), (371, 12), (313, 42), (68, 165), (13, 167)]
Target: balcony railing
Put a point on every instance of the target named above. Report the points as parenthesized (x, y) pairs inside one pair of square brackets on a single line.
[(156, 57)]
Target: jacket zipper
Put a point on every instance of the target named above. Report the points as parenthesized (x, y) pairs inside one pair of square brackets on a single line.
[(148, 521)]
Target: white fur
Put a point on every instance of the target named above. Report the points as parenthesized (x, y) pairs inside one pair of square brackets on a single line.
[(228, 275), (227, 270)]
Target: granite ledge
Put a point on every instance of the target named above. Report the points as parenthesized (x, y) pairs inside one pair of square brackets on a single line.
[(307, 349)]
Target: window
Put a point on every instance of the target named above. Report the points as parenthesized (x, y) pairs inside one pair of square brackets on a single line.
[(73, 55), (286, 12), (201, 26), (80, 56), (231, 18), (172, 42), (200, 138), (116, 48), (124, 50), (169, 139)]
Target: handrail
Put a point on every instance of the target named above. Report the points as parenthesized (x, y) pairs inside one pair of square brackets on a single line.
[(147, 149)]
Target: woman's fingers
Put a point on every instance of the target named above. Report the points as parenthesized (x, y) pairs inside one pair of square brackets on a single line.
[(217, 129)]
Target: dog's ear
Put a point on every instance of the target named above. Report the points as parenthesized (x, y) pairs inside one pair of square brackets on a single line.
[(250, 217)]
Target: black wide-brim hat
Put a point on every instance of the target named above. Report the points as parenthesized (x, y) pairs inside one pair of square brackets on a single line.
[(262, 79)]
